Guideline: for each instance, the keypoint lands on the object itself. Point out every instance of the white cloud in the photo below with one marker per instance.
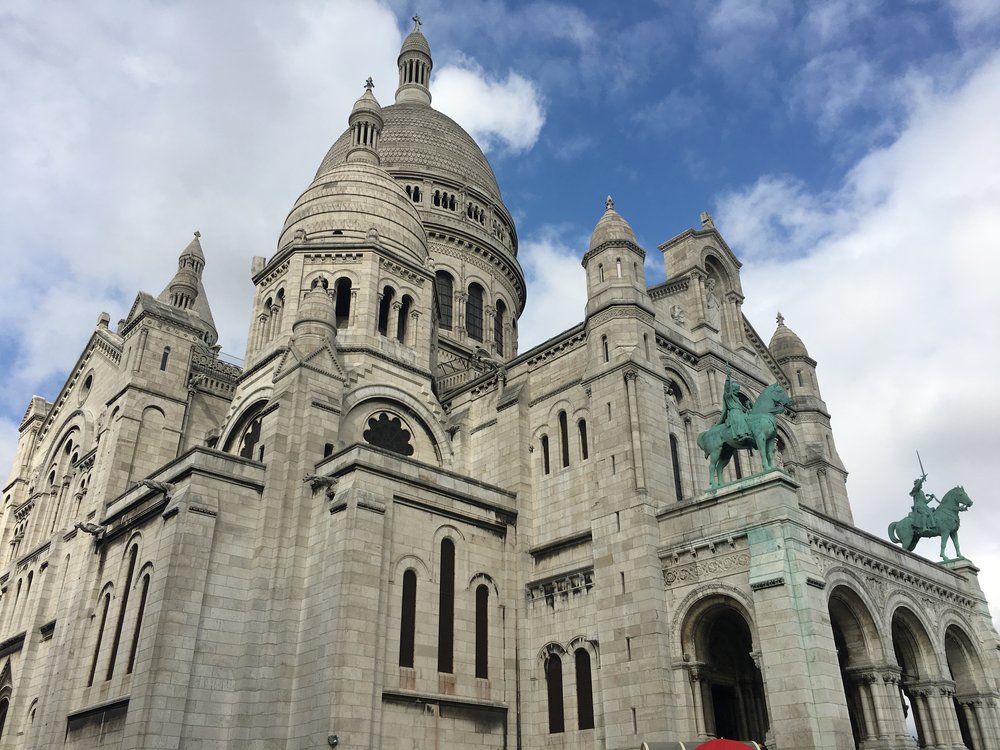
(557, 287)
(497, 113)
(896, 299)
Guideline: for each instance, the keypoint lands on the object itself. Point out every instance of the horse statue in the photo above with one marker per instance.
(760, 431)
(944, 523)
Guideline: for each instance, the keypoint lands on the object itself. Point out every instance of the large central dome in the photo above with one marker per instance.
(417, 138)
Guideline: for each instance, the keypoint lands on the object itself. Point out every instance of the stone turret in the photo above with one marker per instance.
(185, 290)
(614, 263)
(365, 124)
(414, 68)
(795, 362)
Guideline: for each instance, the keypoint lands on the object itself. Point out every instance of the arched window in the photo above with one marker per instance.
(342, 302)
(100, 636)
(545, 453)
(404, 314)
(384, 306)
(138, 623)
(408, 618)
(554, 688)
(564, 438)
(445, 286)
(133, 553)
(584, 450)
(482, 631)
(676, 463)
(4, 705)
(164, 358)
(498, 322)
(584, 691)
(604, 345)
(446, 608)
(474, 313)
(244, 440)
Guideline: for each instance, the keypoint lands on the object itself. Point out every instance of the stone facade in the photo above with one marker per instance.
(390, 528)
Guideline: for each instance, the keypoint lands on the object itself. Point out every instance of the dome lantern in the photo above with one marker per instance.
(365, 125)
(414, 68)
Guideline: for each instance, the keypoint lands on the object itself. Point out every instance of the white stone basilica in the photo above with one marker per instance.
(392, 530)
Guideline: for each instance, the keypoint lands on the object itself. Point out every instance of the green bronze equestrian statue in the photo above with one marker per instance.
(742, 427)
(924, 521)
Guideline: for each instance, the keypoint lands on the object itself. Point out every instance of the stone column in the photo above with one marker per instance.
(458, 314)
(393, 327)
(352, 316)
(887, 704)
(694, 670)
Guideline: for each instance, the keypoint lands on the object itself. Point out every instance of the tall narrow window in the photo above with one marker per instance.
(100, 635)
(482, 631)
(564, 438)
(121, 611)
(676, 462)
(138, 623)
(404, 314)
(584, 450)
(384, 306)
(584, 691)
(604, 345)
(408, 618)
(474, 313)
(545, 453)
(445, 286)
(4, 705)
(498, 323)
(164, 358)
(342, 303)
(446, 608)
(554, 688)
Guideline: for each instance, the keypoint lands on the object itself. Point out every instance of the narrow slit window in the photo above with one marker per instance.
(482, 631)
(165, 358)
(474, 313)
(133, 554)
(446, 608)
(100, 635)
(138, 623)
(445, 293)
(564, 438)
(342, 303)
(554, 688)
(584, 691)
(676, 462)
(408, 619)
(584, 450)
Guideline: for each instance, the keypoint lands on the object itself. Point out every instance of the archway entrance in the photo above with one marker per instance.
(733, 691)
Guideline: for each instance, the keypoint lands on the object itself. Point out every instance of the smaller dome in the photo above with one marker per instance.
(357, 202)
(367, 103)
(415, 42)
(785, 344)
(611, 227)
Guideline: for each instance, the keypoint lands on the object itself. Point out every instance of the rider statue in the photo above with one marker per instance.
(734, 412)
(922, 514)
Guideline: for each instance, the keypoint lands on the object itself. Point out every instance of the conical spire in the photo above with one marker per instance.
(414, 68)
(185, 290)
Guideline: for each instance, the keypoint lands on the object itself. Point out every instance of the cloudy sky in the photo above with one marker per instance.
(848, 151)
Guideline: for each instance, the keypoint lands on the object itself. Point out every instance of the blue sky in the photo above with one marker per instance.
(848, 151)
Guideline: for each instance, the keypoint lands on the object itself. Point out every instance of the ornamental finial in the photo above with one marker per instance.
(197, 233)
(609, 204)
(416, 23)
(780, 319)
(369, 85)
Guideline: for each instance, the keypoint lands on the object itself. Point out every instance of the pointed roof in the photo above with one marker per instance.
(611, 227)
(192, 276)
(194, 248)
(785, 343)
(415, 40)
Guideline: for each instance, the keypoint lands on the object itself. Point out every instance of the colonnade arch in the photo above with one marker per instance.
(728, 690)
